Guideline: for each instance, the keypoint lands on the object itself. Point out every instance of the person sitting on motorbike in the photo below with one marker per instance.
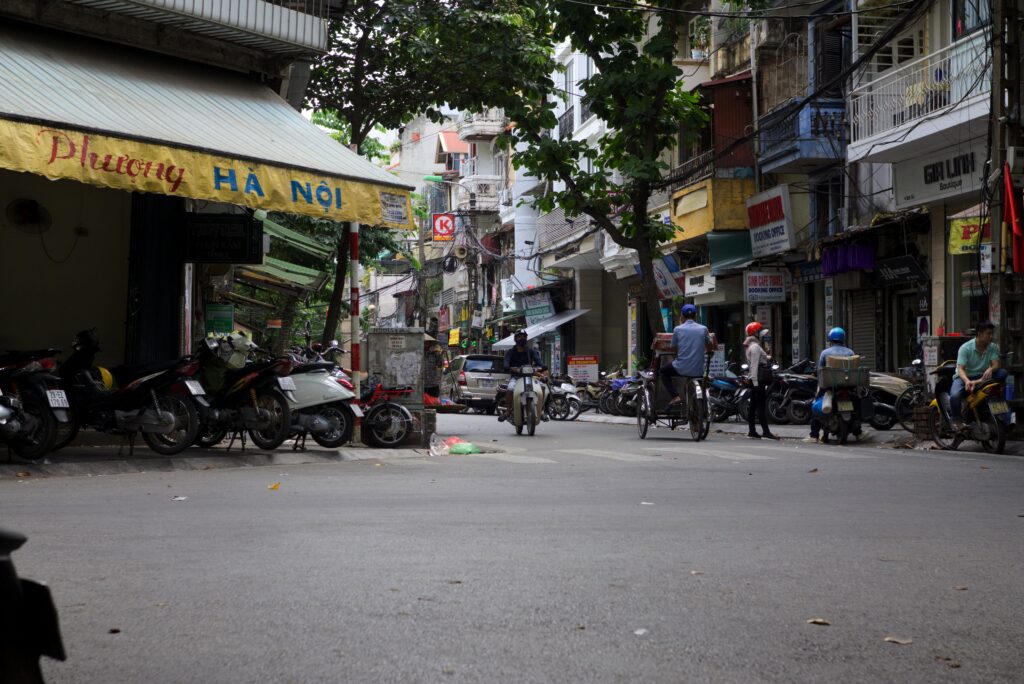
(977, 362)
(516, 357)
(837, 347)
(690, 342)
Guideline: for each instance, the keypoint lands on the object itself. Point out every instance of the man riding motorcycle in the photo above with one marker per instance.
(516, 357)
(977, 362)
(837, 347)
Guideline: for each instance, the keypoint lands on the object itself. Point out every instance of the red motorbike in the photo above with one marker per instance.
(387, 423)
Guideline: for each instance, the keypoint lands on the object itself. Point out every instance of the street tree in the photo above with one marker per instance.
(637, 91)
(389, 60)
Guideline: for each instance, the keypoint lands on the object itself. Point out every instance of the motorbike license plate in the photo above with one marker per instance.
(356, 410)
(998, 407)
(57, 399)
(287, 384)
(195, 388)
(845, 405)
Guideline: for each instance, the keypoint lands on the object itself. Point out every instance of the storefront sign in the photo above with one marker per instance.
(478, 319)
(583, 368)
(967, 234)
(444, 227)
(985, 255)
(806, 272)
(634, 333)
(956, 170)
(698, 281)
(444, 318)
(135, 166)
(275, 323)
(667, 286)
(223, 239)
(829, 304)
(538, 307)
(220, 318)
(453, 337)
(901, 269)
(764, 286)
(771, 222)
(718, 365)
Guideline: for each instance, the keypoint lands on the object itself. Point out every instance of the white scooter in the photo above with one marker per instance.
(563, 403)
(528, 398)
(321, 406)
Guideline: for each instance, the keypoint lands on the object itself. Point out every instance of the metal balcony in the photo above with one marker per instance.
(485, 125)
(486, 189)
(566, 123)
(946, 80)
(694, 169)
(278, 26)
(804, 140)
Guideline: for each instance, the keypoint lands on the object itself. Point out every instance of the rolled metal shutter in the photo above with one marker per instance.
(862, 326)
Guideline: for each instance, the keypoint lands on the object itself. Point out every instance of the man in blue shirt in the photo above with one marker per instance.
(691, 341)
(976, 363)
(837, 347)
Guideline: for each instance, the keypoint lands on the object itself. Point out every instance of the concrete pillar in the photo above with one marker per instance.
(589, 286)
(937, 265)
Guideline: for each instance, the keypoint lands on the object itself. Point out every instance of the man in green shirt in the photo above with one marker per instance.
(977, 362)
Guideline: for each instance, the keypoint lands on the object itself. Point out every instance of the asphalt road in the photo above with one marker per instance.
(578, 555)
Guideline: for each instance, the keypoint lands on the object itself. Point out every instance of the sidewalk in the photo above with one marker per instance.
(877, 437)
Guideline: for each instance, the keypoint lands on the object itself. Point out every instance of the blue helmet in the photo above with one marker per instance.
(689, 311)
(837, 335)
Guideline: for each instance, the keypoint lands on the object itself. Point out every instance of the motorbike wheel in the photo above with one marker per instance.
(389, 425)
(575, 408)
(186, 425)
(623, 407)
(491, 408)
(743, 408)
(346, 423)
(210, 437)
(882, 421)
(280, 420)
(798, 412)
(557, 407)
(66, 432)
(643, 409)
(842, 431)
(997, 430)
(37, 442)
(777, 410)
(531, 417)
(943, 434)
(909, 399)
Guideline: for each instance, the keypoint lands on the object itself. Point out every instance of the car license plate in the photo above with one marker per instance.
(287, 384)
(998, 407)
(486, 383)
(57, 399)
(845, 405)
(195, 387)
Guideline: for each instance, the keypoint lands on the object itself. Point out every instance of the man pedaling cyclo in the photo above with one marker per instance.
(515, 358)
(690, 341)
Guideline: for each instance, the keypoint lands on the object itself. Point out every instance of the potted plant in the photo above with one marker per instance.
(700, 36)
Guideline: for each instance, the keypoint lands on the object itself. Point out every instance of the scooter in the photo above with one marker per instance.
(32, 404)
(563, 401)
(886, 389)
(161, 399)
(985, 413)
(528, 398)
(729, 395)
(321, 405)
(845, 402)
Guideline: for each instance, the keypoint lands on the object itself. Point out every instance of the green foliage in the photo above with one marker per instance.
(371, 148)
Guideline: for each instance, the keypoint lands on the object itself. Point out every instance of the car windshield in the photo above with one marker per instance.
(486, 365)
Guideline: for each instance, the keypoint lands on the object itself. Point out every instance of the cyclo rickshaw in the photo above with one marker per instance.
(652, 399)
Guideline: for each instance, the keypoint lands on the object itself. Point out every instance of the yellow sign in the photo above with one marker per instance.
(964, 235)
(136, 166)
(453, 337)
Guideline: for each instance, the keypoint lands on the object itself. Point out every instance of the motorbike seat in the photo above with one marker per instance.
(315, 366)
(19, 356)
(126, 373)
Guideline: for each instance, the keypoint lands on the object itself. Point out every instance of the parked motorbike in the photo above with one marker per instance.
(32, 403)
(790, 395)
(885, 390)
(845, 403)
(729, 395)
(321, 406)
(29, 627)
(985, 413)
(387, 423)
(528, 398)
(161, 399)
(245, 397)
(563, 401)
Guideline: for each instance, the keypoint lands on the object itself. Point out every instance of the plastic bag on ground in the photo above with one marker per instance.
(438, 446)
(464, 448)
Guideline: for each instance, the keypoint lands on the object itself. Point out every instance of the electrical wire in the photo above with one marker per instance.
(751, 14)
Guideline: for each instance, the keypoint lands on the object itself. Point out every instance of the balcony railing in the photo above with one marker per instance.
(483, 125)
(585, 111)
(486, 189)
(565, 123)
(553, 228)
(925, 87)
(692, 170)
(284, 26)
(815, 133)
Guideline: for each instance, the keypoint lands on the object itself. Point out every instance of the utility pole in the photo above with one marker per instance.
(353, 268)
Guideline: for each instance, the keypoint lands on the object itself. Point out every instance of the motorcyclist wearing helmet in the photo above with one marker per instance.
(691, 341)
(837, 347)
(516, 357)
(757, 356)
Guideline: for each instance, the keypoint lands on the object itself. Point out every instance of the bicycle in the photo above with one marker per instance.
(914, 396)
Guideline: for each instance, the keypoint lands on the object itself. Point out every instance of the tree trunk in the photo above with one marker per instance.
(340, 273)
(651, 295)
(284, 337)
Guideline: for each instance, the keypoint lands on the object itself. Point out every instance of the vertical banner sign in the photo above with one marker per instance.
(967, 235)
(444, 318)
(556, 353)
(444, 227)
(718, 365)
(794, 312)
(633, 335)
(829, 324)
(771, 222)
(583, 368)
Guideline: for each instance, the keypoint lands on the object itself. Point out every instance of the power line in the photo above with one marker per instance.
(751, 14)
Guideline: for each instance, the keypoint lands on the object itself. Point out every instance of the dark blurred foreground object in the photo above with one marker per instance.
(29, 627)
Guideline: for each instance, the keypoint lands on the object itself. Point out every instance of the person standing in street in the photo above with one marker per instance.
(433, 368)
(690, 341)
(759, 368)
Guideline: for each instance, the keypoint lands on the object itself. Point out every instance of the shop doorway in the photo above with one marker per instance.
(904, 328)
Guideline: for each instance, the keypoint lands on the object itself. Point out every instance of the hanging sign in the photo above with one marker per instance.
(956, 170)
(764, 286)
(583, 368)
(538, 307)
(966, 235)
(771, 222)
(698, 281)
(664, 278)
(444, 227)
(220, 318)
(899, 269)
(444, 318)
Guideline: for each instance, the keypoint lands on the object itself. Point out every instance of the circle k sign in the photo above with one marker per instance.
(444, 227)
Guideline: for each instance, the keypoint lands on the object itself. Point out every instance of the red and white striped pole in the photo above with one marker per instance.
(353, 267)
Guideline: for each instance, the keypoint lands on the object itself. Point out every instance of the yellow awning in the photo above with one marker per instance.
(102, 114)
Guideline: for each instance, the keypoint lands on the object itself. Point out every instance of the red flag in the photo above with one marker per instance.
(1011, 214)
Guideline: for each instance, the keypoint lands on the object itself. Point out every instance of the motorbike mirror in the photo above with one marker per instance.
(916, 362)
(776, 367)
(603, 373)
(745, 367)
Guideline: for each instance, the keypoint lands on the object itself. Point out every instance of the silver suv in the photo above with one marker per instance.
(473, 379)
